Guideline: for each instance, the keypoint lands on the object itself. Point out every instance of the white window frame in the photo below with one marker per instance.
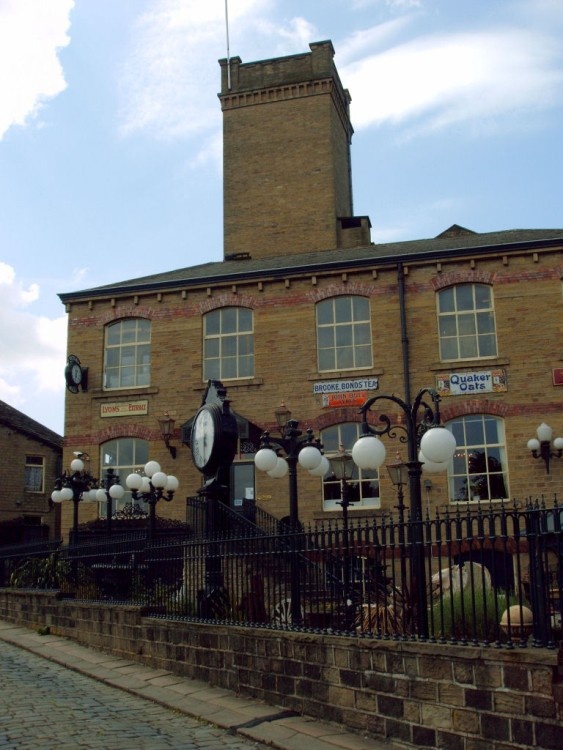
(228, 343)
(32, 464)
(345, 434)
(132, 357)
(124, 460)
(472, 454)
(330, 334)
(469, 323)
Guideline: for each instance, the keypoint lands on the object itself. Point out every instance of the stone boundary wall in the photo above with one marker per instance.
(421, 695)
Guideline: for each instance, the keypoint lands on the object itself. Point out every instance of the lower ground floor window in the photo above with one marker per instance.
(479, 468)
(124, 456)
(363, 487)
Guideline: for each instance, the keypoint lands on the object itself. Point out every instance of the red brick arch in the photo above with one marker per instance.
(125, 430)
(227, 300)
(126, 311)
(477, 406)
(349, 289)
(462, 277)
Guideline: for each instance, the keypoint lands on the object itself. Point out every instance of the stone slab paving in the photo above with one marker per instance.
(59, 695)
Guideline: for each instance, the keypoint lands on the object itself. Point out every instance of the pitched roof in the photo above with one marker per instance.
(19, 422)
(453, 242)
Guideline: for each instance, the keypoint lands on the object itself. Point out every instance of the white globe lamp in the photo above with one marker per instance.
(159, 479)
(322, 469)
(134, 481)
(368, 452)
(280, 469)
(152, 467)
(172, 483)
(309, 457)
(116, 491)
(438, 445)
(265, 459)
(431, 467)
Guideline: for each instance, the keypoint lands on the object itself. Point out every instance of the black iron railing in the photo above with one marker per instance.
(494, 574)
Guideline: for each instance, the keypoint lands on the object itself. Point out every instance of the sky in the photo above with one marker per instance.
(111, 152)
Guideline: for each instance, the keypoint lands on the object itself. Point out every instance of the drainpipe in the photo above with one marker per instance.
(404, 336)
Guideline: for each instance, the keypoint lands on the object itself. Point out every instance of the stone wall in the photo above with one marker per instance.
(422, 695)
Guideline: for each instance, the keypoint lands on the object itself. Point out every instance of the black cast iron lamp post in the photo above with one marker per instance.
(399, 475)
(298, 448)
(154, 486)
(543, 447)
(111, 490)
(77, 486)
(342, 466)
(420, 424)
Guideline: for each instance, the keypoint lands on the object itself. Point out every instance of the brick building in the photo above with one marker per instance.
(305, 309)
(30, 461)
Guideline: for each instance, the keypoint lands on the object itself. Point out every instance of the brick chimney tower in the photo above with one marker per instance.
(286, 156)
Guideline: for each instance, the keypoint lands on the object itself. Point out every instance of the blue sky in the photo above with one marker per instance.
(110, 138)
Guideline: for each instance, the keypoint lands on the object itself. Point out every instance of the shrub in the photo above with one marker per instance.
(471, 615)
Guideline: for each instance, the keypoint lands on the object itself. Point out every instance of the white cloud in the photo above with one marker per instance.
(420, 84)
(399, 4)
(435, 81)
(170, 79)
(31, 34)
(34, 346)
(168, 88)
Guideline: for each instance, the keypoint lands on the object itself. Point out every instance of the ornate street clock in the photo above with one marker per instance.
(214, 433)
(213, 442)
(207, 433)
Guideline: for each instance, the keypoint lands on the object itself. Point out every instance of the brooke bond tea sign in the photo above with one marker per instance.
(339, 393)
(345, 386)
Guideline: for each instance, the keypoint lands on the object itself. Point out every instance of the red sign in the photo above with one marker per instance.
(558, 376)
(338, 400)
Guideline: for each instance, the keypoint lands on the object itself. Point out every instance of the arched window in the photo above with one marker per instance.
(124, 456)
(127, 360)
(466, 322)
(363, 488)
(228, 344)
(479, 469)
(343, 334)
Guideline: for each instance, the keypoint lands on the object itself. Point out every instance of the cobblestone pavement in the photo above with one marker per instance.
(44, 705)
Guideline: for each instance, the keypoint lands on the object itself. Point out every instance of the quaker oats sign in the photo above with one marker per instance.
(470, 383)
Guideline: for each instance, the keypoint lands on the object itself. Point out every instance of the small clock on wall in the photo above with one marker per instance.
(75, 374)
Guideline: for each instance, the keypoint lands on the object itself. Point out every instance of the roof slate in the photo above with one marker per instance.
(443, 245)
(19, 422)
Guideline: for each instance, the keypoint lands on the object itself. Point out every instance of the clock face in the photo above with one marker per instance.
(204, 434)
(76, 373)
(73, 373)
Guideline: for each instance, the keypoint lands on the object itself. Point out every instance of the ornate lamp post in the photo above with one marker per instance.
(154, 486)
(342, 466)
(109, 491)
(421, 430)
(78, 485)
(298, 448)
(544, 447)
(399, 475)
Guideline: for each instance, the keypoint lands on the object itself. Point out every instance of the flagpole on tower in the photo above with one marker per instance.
(228, 50)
